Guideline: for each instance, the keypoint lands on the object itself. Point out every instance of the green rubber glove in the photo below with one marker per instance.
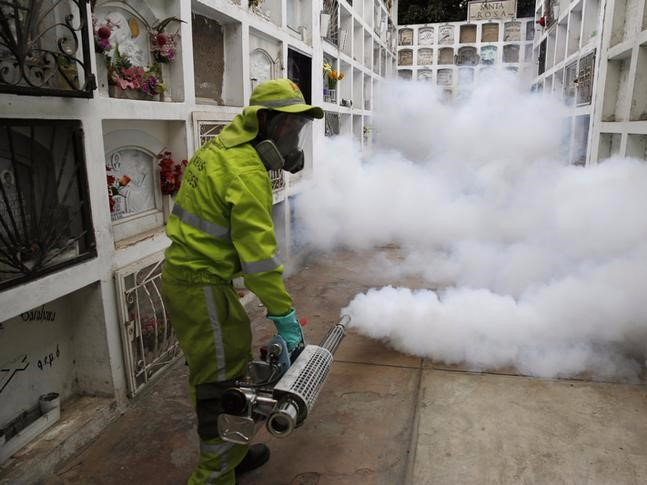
(288, 327)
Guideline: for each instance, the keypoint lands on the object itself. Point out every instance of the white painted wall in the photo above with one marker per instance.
(87, 324)
(58, 346)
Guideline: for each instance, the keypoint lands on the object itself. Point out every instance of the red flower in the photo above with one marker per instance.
(170, 173)
(124, 180)
(104, 32)
(162, 39)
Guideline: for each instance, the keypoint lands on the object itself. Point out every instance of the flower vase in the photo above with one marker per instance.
(332, 95)
(49, 401)
(102, 77)
(165, 75)
(326, 93)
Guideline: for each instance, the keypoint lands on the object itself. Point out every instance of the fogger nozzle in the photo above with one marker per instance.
(283, 420)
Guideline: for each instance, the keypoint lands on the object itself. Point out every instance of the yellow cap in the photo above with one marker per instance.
(283, 95)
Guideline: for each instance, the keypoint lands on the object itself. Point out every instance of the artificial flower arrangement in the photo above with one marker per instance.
(154, 332)
(102, 33)
(163, 44)
(163, 47)
(122, 73)
(170, 173)
(332, 76)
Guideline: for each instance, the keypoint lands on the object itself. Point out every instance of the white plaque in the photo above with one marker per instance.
(488, 9)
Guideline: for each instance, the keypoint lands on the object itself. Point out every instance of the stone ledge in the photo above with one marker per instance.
(82, 419)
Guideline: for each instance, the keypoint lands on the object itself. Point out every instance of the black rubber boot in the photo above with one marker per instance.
(257, 455)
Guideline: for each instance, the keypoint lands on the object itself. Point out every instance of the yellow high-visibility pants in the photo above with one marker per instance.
(215, 335)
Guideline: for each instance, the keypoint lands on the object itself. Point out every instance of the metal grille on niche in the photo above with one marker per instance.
(570, 87)
(45, 221)
(585, 79)
(45, 49)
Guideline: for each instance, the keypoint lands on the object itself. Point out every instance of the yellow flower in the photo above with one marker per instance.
(327, 67)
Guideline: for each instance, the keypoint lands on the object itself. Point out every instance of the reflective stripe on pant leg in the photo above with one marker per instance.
(217, 332)
(217, 462)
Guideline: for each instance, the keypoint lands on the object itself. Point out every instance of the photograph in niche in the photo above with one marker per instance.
(131, 184)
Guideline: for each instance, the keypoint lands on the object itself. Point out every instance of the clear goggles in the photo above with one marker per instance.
(286, 130)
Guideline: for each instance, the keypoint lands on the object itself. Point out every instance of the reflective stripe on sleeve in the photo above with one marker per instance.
(260, 266)
(191, 219)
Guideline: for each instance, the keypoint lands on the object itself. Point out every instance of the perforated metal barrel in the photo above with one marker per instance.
(299, 388)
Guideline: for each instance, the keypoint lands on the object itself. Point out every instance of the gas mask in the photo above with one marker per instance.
(282, 148)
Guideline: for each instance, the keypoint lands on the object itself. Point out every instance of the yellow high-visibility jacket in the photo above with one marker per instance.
(221, 223)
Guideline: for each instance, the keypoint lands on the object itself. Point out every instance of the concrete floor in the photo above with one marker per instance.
(385, 418)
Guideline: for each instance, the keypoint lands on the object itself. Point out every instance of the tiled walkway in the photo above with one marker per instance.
(389, 419)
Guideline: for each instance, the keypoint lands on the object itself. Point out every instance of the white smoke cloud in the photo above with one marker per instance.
(541, 263)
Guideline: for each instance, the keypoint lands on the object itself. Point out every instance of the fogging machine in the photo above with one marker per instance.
(280, 389)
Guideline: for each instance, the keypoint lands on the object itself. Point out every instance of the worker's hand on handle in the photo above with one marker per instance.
(288, 327)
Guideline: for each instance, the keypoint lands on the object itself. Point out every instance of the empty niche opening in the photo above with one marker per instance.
(616, 89)
(637, 146)
(468, 34)
(639, 99)
(609, 145)
(580, 139)
(208, 58)
(490, 32)
(530, 30)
